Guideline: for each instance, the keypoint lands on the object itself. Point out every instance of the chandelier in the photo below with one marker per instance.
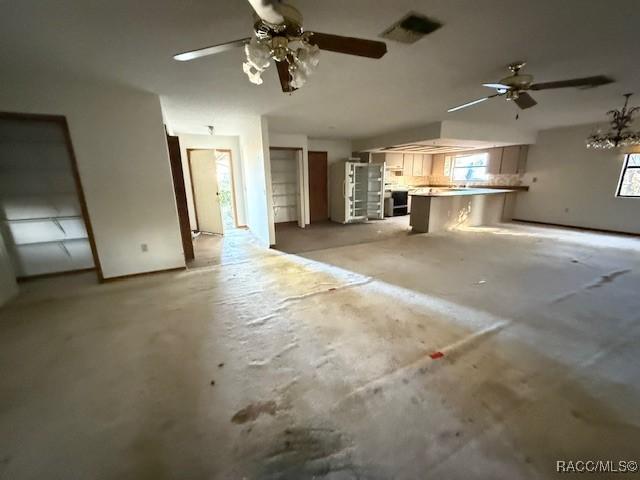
(620, 134)
(301, 56)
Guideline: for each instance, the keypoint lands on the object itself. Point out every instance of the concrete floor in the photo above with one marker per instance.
(486, 353)
(236, 245)
(292, 239)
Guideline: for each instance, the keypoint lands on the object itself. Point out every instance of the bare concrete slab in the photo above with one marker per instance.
(486, 353)
(321, 235)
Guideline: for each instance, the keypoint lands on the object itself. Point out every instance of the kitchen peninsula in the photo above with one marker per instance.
(438, 209)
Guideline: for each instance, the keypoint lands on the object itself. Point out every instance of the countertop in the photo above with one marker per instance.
(457, 192)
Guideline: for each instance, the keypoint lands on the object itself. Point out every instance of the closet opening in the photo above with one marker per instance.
(44, 223)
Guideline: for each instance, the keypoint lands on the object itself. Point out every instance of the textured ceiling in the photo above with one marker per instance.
(131, 42)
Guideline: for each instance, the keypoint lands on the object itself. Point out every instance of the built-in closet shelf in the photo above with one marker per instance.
(46, 242)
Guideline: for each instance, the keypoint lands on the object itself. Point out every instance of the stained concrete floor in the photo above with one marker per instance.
(236, 245)
(486, 353)
(292, 239)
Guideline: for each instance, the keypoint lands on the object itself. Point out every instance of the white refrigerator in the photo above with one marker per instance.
(357, 191)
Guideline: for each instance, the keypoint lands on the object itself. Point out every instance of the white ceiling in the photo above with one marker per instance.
(132, 42)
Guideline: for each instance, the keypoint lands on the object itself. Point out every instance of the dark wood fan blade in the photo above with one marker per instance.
(203, 52)
(348, 45)
(285, 77)
(267, 12)
(525, 101)
(587, 82)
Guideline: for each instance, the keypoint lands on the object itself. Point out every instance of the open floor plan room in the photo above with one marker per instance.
(481, 353)
(297, 240)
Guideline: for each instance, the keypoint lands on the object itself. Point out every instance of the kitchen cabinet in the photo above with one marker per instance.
(417, 165)
(394, 160)
(426, 164)
(510, 159)
(407, 167)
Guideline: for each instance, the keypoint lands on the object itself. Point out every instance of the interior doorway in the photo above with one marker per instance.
(217, 236)
(226, 192)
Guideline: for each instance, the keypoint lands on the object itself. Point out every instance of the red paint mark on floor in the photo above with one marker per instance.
(436, 355)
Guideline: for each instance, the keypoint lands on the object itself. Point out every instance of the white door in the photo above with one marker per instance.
(205, 190)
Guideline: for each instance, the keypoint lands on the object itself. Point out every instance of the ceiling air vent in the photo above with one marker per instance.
(411, 28)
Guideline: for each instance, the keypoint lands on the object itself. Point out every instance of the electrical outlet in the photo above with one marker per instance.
(144, 247)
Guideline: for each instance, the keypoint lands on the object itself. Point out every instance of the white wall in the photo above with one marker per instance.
(119, 141)
(336, 149)
(254, 148)
(8, 285)
(223, 142)
(575, 186)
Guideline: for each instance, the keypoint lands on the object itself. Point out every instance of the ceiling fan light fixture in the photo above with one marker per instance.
(258, 54)
(258, 60)
(298, 76)
(302, 63)
(255, 75)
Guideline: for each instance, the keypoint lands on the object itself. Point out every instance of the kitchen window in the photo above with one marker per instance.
(629, 185)
(470, 167)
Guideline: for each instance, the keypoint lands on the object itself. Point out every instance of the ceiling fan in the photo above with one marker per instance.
(279, 36)
(515, 86)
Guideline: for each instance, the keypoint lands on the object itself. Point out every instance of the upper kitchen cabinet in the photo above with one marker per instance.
(407, 168)
(427, 160)
(394, 160)
(417, 165)
(510, 159)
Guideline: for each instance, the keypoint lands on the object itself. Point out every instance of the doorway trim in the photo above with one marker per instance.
(193, 190)
(302, 186)
(179, 188)
(62, 121)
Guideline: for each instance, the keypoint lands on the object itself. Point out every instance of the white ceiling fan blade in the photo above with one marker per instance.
(267, 12)
(497, 86)
(460, 107)
(203, 52)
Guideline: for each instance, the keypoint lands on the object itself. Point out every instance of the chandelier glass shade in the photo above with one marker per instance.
(302, 57)
(620, 133)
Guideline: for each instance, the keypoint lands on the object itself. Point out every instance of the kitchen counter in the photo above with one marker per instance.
(456, 192)
(440, 209)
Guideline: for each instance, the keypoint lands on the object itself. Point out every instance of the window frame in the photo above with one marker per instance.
(626, 167)
(485, 166)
